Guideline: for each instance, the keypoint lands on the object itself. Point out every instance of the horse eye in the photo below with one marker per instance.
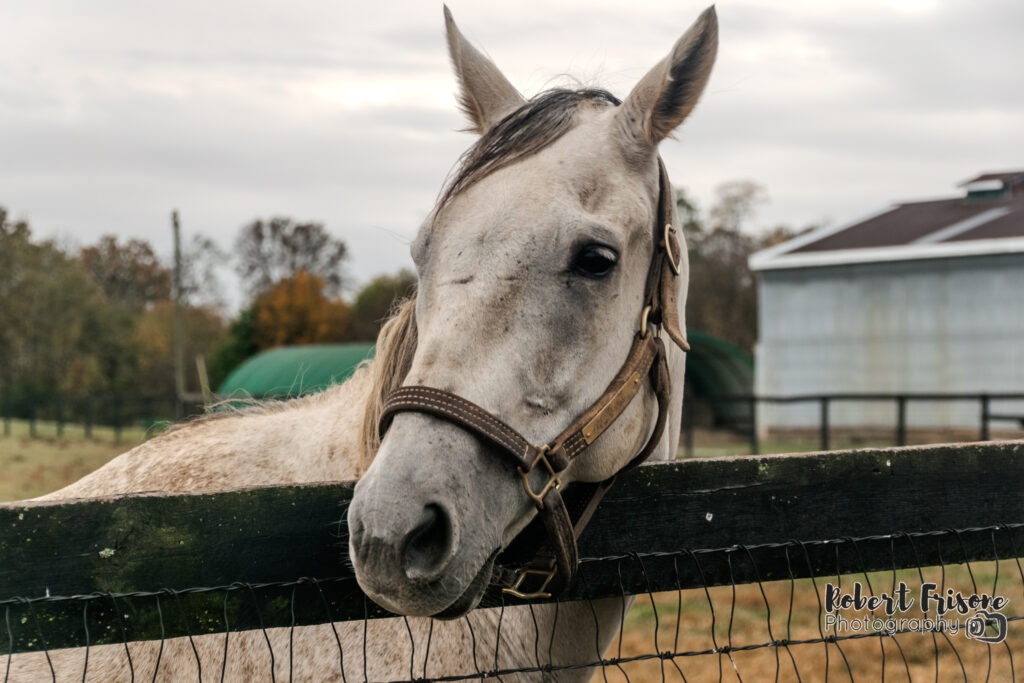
(595, 260)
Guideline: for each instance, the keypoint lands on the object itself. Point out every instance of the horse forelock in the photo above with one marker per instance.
(538, 123)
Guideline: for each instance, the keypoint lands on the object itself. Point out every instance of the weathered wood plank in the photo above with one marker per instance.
(685, 524)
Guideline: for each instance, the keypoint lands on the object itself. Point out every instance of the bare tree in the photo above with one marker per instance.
(129, 273)
(736, 202)
(271, 251)
(201, 286)
(723, 290)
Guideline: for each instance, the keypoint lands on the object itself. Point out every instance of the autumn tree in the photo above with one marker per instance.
(95, 320)
(14, 243)
(375, 301)
(53, 320)
(269, 252)
(152, 341)
(129, 273)
(132, 277)
(297, 310)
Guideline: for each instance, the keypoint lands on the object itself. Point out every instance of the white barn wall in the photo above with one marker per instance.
(931, 325)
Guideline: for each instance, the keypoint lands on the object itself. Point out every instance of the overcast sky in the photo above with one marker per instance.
(113, 112)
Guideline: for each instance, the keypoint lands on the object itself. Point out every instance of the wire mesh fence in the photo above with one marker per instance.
(786, 629)
(805, 606)
(777, 630)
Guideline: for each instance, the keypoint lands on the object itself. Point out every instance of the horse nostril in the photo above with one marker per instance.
(428, 547)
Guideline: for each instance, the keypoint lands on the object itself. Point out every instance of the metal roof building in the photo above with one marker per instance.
(923, 296)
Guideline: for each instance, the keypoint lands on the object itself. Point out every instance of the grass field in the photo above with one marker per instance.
(716, 443)
(687, 621)
(34, 466)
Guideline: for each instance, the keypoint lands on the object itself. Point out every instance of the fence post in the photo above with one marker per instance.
(688, 433)
(32, 417)
(117, 418)
(901, 420)
(755, 447)
(824, 423)
(985, 436)
(90, 413)
(59, 401)
(7, 414)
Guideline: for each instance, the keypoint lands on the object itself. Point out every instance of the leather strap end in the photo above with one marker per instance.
(558, 458)
(670, 310)
(562, 539)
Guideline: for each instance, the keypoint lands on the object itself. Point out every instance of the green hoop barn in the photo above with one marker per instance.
(714, 368)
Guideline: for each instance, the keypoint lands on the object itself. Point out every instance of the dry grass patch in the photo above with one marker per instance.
(684, 624)
(32, 466)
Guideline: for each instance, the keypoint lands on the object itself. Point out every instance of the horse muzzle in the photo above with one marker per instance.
(423, 525)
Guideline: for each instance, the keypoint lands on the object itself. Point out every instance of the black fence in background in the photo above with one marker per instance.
(116, 411)
(120, 411)
(745, 421)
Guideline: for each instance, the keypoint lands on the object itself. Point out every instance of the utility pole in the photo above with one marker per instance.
(179, 335)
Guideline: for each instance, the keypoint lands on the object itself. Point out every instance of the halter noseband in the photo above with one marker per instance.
(554, 564)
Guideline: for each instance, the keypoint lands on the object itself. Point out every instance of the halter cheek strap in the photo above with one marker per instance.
(544, 571)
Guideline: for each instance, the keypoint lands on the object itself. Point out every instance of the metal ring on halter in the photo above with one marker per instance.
(553, 479)
(643, 322)
(672, 263)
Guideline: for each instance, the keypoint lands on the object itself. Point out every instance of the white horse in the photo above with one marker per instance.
(531, 272)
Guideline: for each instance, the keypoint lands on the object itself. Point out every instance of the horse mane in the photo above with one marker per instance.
(396, 346)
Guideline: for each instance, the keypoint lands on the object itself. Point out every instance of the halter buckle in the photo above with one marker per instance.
(521, 575)
(553, 479)
(667, 244)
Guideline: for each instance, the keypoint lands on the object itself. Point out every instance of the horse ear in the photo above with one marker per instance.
(485, 95)
(669, 91)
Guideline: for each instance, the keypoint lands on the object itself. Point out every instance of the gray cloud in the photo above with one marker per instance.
(112, 114)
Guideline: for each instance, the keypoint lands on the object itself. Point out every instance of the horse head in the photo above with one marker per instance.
(534, 269)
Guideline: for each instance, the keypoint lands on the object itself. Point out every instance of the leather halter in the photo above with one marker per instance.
(555, 563)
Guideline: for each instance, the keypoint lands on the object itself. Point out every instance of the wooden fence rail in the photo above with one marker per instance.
(150, 566)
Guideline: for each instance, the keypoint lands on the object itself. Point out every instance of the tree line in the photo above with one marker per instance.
(98, 319)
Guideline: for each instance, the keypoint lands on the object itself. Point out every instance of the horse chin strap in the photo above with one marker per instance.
(542, 560)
